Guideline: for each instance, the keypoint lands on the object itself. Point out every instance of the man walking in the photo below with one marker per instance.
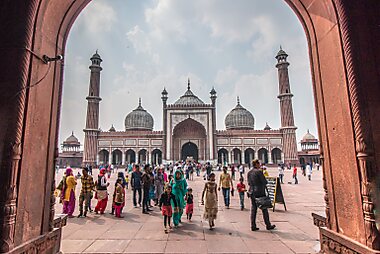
(85, 192)
(146, 180)
(136, 185)
(257, 185)
(225, 182)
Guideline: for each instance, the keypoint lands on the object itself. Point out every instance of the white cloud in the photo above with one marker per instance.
(99, 16)
(226, 75)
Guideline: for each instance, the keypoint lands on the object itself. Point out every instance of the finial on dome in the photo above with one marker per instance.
(238, 100)
(308, 131)
(72, 133)
(140, 102)
(188, 83)
(280, 47)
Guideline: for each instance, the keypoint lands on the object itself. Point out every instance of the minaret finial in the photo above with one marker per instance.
(140, 102)
(96, 51)
(280, 47)
(72, 133)
(188, 83)
(238, 100)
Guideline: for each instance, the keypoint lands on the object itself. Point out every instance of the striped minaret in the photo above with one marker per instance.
(288, 128)
(91, 130)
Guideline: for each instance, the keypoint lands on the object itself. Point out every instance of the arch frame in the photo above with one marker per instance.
(337, 40)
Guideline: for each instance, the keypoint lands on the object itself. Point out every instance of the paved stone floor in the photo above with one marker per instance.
(139, 233)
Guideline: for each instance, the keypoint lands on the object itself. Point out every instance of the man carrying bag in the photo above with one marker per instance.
(259, 198)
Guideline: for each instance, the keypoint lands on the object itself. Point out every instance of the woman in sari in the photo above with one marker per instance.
(69, 193)
(179, 189)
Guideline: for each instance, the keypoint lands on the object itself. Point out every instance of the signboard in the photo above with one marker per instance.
(275, 191)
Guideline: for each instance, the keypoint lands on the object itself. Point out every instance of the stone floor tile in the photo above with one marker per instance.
(108, 246)
(75, 246)
(146, 246)
(188, 246)
(235, 245)
(262, 246)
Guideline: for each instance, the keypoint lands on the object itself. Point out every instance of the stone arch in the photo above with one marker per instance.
(236, 156)
(249, 155)
(156, 157)
(276, 155)
(191, 131)
(117, 155)
(343, 59)
(223, 156)
(103, 157)
(142, 157)
(130, 156)
(262, 154)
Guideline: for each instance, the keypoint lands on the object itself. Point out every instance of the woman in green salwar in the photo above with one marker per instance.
(179, 189)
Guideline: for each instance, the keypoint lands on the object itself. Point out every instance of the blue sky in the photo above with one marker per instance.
(149, 44)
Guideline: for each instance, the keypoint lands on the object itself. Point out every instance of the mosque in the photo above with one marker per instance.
(189, 130)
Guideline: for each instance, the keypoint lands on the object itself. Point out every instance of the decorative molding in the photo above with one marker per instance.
(362, 129)
(318, 220)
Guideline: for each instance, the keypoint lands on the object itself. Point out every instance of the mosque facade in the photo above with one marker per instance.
(189, 130)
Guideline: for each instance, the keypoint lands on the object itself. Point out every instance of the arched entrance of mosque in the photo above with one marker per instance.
(103, 157)
(262, 154)
(189, 136)
(156, 157)
(142, 156)
(116, 157)
(276, 156)
(249, 155)
(223, 156)
(130, 156)
(236, 156)
(189, 150)
(343, 53)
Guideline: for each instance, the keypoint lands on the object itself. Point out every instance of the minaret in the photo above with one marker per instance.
(288, 128)
(164, 97)
(213, 101)
(91, 130)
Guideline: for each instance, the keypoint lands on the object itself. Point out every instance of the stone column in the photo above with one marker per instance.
(110, 157)
(270, 156)
(229, 157)
(97, 159)
(122, 157)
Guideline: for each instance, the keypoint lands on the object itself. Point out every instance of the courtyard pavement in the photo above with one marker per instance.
(139, 233)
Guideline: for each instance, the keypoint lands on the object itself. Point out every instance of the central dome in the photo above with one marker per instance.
(139, 119)
(239, 118)
(189, 98)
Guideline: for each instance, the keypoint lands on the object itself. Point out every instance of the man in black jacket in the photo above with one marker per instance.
(257, 184)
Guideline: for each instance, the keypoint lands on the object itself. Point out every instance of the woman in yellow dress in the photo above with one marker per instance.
(210, 200)
(69, 193)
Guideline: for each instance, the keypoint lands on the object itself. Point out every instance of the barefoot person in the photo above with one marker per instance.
(165, 204)
(210, 200)
(101, 192)
(69, 193)
(257, 184)
(179, 189)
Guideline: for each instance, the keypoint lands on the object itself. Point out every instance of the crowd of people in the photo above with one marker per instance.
(167, 188)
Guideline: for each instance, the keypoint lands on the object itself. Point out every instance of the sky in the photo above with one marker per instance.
(147, 45)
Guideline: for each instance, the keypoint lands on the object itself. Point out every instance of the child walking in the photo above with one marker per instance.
(189, 203)
(119, 198)
(241, 190)
(210, 200)
(166, 207)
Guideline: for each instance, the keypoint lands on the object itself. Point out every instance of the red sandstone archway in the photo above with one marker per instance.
(191, 131)
(343, 43)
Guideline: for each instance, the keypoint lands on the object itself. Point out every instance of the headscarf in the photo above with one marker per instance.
(102, 172)
(69, 171)
(122, 177)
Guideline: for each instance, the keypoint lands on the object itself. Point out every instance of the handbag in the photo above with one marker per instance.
(264, 202)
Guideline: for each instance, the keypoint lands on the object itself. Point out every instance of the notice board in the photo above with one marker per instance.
(275, 191)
